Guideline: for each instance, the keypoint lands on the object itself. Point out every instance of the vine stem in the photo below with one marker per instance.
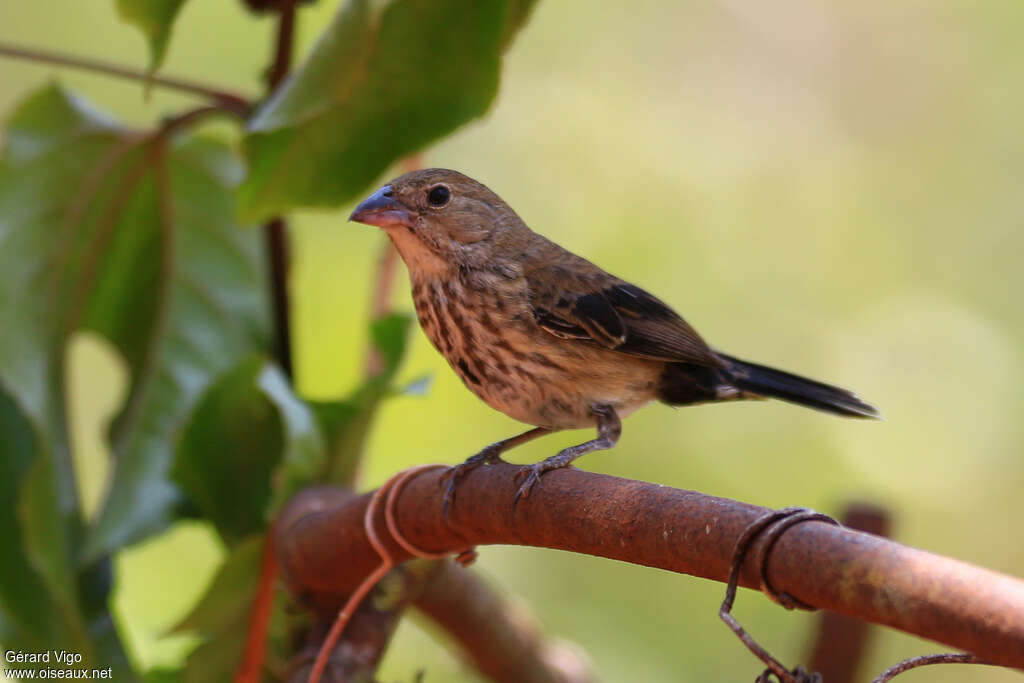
(276, 246)
(227, 100)
(275, 231)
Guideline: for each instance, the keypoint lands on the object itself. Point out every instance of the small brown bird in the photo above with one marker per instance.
(547, 337)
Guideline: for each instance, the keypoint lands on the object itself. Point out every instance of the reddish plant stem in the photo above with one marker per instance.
(385, 496)
(325, 552)
(384, 281)
(380, 305)
(367, 634)
(251, 667)
(227, 100)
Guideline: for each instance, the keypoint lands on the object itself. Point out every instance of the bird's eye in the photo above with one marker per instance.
(438, 196)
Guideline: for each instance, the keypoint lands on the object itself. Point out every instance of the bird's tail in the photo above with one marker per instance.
(765, 381)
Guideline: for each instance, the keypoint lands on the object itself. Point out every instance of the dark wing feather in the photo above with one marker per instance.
(622, 317)
(560, 327)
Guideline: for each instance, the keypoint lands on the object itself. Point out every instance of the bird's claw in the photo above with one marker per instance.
(453, 475)
(529, 475)
(450, 480)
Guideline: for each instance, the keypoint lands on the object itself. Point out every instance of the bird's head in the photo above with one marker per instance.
(441, 219)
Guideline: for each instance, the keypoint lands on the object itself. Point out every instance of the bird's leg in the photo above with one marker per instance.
(609, 428)
(488, 455)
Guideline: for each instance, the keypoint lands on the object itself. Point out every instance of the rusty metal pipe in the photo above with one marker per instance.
(324, 551)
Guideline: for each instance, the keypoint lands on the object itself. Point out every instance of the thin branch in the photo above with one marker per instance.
(928, 660)
(384, 281)
(172, 124)
(283, 46)
(501, 640)
(325, 551)
(386, 264)
(380, 305)
(275, 231)
(275, 238)
(228, 100)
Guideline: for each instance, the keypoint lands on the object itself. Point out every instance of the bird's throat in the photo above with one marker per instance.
(421, 260)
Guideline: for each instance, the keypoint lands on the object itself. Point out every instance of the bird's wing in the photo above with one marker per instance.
(608, 312)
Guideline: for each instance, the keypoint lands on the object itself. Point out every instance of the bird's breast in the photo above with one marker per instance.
(487, 332)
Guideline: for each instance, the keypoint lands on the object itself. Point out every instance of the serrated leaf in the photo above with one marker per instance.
(384, 80)
(131, 236)
(154, 18)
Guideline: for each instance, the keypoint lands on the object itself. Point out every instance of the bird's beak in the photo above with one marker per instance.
(382, 210)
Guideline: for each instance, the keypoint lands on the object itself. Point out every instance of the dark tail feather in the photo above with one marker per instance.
(765, 381)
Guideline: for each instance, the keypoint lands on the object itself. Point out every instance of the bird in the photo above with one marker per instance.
(547, 337)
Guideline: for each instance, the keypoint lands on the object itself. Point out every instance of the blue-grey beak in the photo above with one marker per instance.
(382, 210)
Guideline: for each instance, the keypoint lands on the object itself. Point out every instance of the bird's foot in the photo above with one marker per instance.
(529, 475)
(450, 479)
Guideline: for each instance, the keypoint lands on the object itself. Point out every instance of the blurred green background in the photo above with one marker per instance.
(832, 189)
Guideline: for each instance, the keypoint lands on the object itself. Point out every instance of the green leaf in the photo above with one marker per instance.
(210, 297)
(216, 660)
(229, 597)
(390, 336)
(303, 459)
(46, 539)
(230, 445)
(132, 236)
(155, 19)
(43, 526)
(246, 426)
(25, 601)
(384, 80)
